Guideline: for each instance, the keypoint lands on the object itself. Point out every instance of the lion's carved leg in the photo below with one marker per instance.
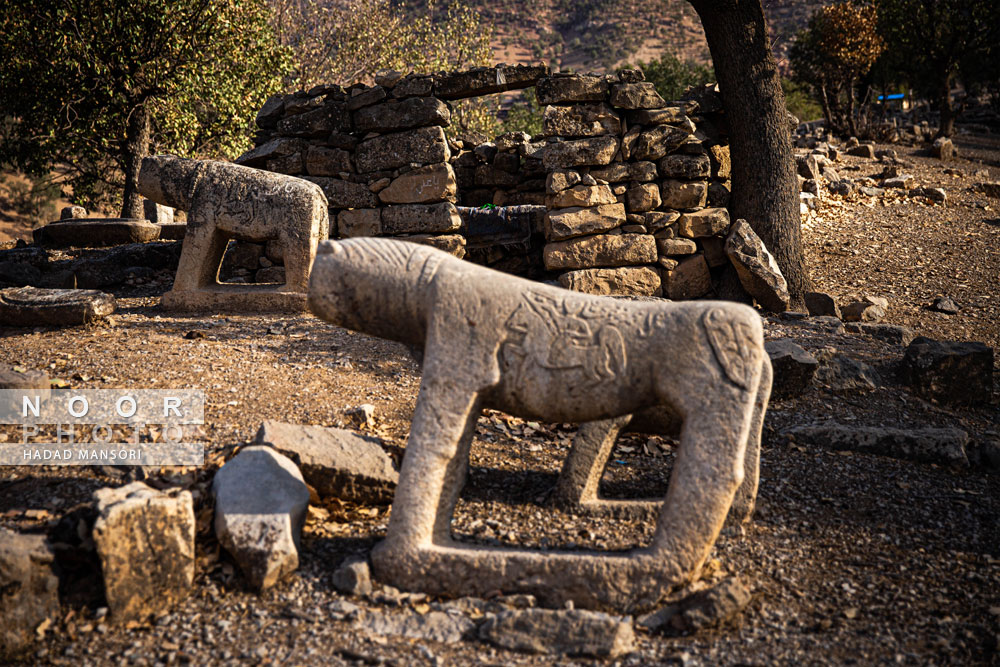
(299, 257)
(746, 496)
(201, 256)
(708, 470)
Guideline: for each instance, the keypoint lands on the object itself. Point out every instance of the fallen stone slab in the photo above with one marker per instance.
(702, 609)
(435, 626)
(336, 462)
(33, 306)
(29, 590)
(18, 378)
(793, 367)
(96, 232)
(925, 445)
(626, 281)
(145, 541)
(260, 507)
(560, 631)
(757, 269)
(949, 371)
(172, 231)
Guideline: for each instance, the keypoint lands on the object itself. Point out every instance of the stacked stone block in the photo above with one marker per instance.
(629, 188)
(635, 189)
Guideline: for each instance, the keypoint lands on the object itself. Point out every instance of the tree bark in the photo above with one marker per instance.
(135, 147)
(946, 113)
(765, 189)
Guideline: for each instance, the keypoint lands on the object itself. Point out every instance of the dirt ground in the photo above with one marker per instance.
(851, 558)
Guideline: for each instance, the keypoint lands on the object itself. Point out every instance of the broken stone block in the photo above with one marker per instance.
(928, 445)
(657, 141)
(664, 115)
(690, 167)
(581, 195)
(820, 303)
(33, 306)
(29, 590)
(95, 232)
(721, 163)
(364, 97)
(588, 252)
(690, 279)
(756, 267)
(642, 197)
(273, 149)
(634, 281)
(487, 80)
(396, 115)
(890, 333)
(336, 462)
(560, 631)
(808, 167)
(561, 89)
(453, 244)
(707, 222)
(359, 222)
(672, 247)
(579, 152)
(425, 145)
(72, 212)
(424, 185)
(793, 367)
(435, 626)
(903, 182)
(683, 194)
(560, 179)
(319, 122)
(353, 577)
(158, 214)
(271, 112)
(843, 375)
(145, 541)
(260, 507)
(420, 218)
(580, 120)
(565, 223)
(321, 161)
(863, 311)
(640, 95)
(949, 371)
(700, 610)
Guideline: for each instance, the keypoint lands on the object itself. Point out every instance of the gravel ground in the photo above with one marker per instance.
(852, 558)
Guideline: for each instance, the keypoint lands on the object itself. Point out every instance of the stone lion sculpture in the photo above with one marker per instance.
(227, 201)
(541, 352)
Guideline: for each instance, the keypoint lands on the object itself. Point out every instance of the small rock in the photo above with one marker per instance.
(364, 414)
(29, 590)
(949, 371)
(820, 303)
(336, 462)
(22, 378)
(793, 367)
(943, 149)
(564, 631)
(862, 150)
(145, 540)
(703, 609)
(260, 507)
(353, 577)
(928, 445)
(944, 304)
(863, 311)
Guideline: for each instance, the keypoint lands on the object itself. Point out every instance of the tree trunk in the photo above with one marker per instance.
(135, 148)
(946, 113)
(765, 189)
(852, 123)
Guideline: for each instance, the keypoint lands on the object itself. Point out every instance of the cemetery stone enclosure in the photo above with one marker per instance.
(623, 193)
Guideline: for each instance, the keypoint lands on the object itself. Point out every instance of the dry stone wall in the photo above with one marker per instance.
(623, 193)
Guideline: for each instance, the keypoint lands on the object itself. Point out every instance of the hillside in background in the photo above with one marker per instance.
(597, 35)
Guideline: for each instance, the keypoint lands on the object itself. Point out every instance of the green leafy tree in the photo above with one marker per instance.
(94, 85)
(525, 115)
(832, 55)
(933, 44)
(349, 42)
(672, 76)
